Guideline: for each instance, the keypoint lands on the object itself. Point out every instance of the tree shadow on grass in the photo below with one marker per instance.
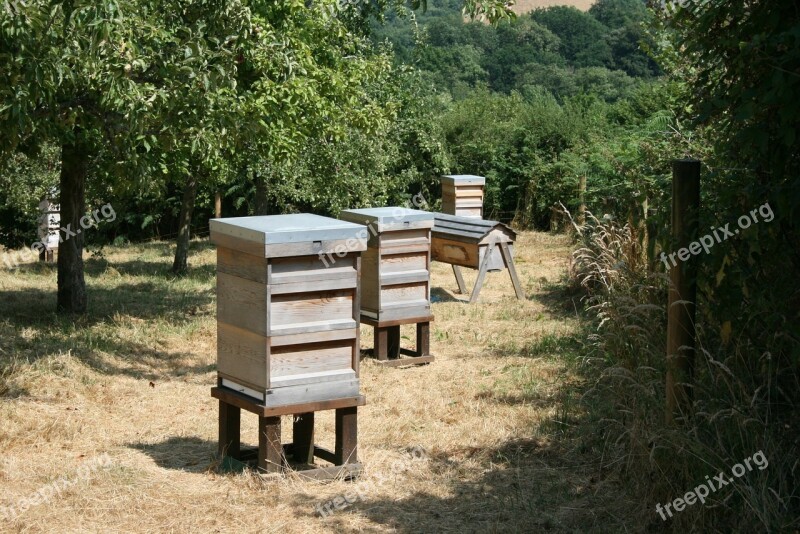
(520, 486)
(30, 329)
(190, 454)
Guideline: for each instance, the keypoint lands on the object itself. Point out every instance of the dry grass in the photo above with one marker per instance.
(132, 380)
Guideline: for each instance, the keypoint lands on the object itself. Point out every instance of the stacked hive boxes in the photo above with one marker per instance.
(288, 307)
(462, 195)
(395, 280)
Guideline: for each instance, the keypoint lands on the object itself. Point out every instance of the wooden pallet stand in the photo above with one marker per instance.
(468, 242)
(395, 280)
(387, 350)
(273, 458)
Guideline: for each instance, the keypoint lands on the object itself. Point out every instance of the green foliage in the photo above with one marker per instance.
(582, 37)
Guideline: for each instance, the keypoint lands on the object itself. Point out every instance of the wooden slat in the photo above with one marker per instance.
(470, 212)
(402, 238)
(408, 277)
(313, 327)
(242, 303)
(469, 191)
(370, 281)
(310, 358)
(288, 311)
(246, 403)
(308, 286)
(400, 263)
(312, 337)
(311, 268)
(241, 353)
(402, 294)
(395, 322)
(236, 263)
(356, 352)
(313, 378)
(242, 245)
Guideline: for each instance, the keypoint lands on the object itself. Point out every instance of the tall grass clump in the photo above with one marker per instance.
(738, 409)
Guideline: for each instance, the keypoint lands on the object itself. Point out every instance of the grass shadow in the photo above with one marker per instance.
(190, 454)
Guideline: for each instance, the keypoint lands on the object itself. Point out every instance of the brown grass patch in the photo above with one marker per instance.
(132, 381)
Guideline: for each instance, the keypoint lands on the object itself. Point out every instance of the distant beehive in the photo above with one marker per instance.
(462, 195)
(288, 307)
(465, 241)
(395, 277)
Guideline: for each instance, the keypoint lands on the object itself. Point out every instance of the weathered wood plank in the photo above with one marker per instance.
(242, 303)
(303, 438)
(270, 451)
(241, 353)
(346, 450)
(310, 358)
(247, 403)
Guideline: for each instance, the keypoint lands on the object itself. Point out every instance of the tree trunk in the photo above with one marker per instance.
(71, 297)
(262, 200)
(181, 264)
(218, 205)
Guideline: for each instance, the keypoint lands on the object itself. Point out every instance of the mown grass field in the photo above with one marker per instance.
(497, 412)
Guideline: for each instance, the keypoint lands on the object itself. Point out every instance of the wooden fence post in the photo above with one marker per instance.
(683, 288)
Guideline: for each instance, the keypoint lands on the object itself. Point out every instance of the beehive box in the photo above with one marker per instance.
(462, 195)
(288, 306)
(395, 277)
(465, 241)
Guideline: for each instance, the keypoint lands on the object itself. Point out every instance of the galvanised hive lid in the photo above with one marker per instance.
(390, 218)
(292, 228)
(463, 179)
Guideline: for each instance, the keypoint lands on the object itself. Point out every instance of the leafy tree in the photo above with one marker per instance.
(108, 82)
(582, 37)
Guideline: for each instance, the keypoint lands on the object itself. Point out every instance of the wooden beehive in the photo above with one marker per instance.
(395, 276)
(465, 241)
(288, 306)
(462, 195)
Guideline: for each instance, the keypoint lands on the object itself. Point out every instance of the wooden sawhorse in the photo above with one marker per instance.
(387, 350)
(271, 456)
(508, 261)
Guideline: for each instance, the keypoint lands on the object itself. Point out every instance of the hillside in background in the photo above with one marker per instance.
(524, 6)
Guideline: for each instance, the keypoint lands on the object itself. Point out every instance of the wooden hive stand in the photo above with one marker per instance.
(395, 280)
(273, 458)
(487, 246)
(288, 331)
